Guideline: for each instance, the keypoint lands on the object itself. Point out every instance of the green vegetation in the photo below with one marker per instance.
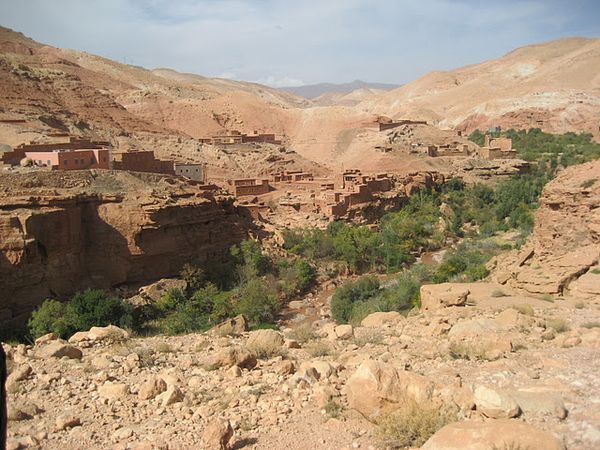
(85, 310)
(254, 286)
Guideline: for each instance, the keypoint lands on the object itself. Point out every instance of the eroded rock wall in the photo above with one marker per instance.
(53, 247)
(565, 243)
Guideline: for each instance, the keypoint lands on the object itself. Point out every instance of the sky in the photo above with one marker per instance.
(296, 42)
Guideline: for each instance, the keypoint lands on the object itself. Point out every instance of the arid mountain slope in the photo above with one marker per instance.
(555, 86)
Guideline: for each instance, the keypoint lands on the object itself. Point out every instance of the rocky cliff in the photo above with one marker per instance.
(564, 249)
(94, 229)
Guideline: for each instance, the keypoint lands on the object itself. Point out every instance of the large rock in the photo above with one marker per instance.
(495, 403)
(230, 356)
(265, 339)
(151, 388)
(378, 319)
(234, 326)
(540, 401)
(377, 388)
(217, 435)
(58, 349)
(113, 391)
(492, 434)
(172, 395)
(436, 296)
(110, 333)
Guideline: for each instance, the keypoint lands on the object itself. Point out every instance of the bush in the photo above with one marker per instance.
(349, 293)
(412, 424)
(91, 308)
(48, 318)
(258, 301)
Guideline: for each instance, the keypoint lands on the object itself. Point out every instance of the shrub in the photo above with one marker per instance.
(319, 348)
(91, 308)
(95, 308)
(49, 317)
(194, 276)
(266, 350)
(258, 301)
(303, 334)
(498, 293)
(525, 309)
(352, 292)
(412, 424)
(559, 325)
(594, 324)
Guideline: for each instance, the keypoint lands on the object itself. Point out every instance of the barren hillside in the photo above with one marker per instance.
(554, 86)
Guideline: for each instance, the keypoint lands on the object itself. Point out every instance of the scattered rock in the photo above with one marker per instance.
(64, 422)
(172, 395)
(46, 338)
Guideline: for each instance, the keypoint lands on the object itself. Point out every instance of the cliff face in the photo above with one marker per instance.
(564, 248)
(54, 245)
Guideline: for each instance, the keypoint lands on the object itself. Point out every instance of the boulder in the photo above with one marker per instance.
(495, 403)
(261, 339)
(46, 338)
(378, 388)
(95, 334)
(113, 391)
(490, 434)
(539, 401)
(217, 435)
(234, 326)
(59, 349)
(436, 296)
(172, 395)
(378, 319)
(20, 373)
(108, 333)
(344, 331)
(231, 356)
(151, 388)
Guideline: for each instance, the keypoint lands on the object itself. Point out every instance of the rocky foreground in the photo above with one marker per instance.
(514, 370)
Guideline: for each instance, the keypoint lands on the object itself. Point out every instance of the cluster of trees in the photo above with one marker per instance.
(250, 283)
(399, 239)
(555, 149)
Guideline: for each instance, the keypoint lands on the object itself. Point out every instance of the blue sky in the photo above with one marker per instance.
(293, 42)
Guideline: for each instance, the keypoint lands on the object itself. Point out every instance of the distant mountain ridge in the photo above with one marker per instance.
(311, 91)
